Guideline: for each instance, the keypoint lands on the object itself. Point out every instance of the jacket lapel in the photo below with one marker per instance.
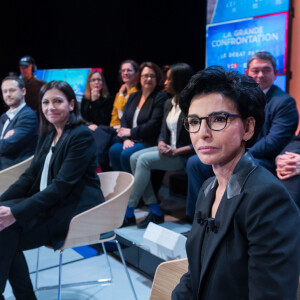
(226, 210)
(179, 126)
(225, 213)
(58, 146)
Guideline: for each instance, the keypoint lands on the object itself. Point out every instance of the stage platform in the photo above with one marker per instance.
(136, 253)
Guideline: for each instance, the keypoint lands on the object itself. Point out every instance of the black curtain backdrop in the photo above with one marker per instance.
(78, 34)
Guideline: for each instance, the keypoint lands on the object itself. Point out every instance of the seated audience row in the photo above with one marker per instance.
(119, 136)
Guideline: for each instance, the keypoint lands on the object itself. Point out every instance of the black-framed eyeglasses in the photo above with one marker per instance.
(95, 80)
(215, 121)
(127, 70)
(151, 76)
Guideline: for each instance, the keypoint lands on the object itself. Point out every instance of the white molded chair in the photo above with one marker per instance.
(166, 277)
(94, 225)
(9, 175)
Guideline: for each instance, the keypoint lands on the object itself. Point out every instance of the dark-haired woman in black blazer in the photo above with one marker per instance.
(61, 182)
(244, 242)
(142, 117)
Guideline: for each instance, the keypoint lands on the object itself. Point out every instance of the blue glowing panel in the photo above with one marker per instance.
(232, 44)
(75, 77)
(227, 10)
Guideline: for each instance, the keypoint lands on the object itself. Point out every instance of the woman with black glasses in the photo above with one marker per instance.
(244, 242)
(142, 117)
(96, 104)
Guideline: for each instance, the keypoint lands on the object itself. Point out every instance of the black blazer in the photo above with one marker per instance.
(97, 112)
(149, 118)
(22, 143)
(182, 136)
(73, 185)
(251, 250)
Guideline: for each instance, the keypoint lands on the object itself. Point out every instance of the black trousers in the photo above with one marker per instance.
(13, 267)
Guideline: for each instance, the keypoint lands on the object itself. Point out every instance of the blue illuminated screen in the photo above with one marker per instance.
(76, 77)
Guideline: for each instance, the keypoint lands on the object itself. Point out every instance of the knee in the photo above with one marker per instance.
(133, 159)
(114, 150)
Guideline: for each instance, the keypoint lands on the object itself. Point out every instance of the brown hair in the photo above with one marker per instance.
(103, 92)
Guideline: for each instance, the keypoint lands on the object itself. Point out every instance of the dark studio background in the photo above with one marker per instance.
(88, 33)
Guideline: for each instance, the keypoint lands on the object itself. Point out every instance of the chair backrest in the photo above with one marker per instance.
(166, 277)
(85, 228)
(9, 175)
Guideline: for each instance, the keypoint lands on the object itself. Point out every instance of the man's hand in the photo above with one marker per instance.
(93, 127)
(6, 217)
(124, 132)
(288, 165)
(9, 134)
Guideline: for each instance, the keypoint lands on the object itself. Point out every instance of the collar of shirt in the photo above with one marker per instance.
(13, 112)
(266, 90)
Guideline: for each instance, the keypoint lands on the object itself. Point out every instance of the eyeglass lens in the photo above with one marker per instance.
(151, 76)
(126, 70)
(95, 80)
(214, 122)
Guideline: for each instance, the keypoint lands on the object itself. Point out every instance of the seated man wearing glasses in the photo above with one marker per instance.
(281, 120)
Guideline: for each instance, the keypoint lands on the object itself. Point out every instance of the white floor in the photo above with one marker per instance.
(93, 268)
(82, 270)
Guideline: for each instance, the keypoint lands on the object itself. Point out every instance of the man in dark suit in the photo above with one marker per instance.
(281, 121)
(18, 126)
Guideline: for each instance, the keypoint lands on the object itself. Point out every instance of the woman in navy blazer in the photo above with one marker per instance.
(61, 182)
(174, 146)
(244, 242)
(142, 117)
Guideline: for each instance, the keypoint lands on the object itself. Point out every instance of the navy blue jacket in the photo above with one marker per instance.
(281, 121)
(22, 143)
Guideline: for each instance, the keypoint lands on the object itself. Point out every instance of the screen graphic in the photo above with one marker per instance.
(76, 78)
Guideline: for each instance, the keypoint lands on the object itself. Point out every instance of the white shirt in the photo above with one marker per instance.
(11, 113)
(135, 116)
(44, 177)
(172, 121)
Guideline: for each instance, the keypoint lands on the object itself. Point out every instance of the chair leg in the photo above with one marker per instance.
(109, 266)
(37, 269)
(59, 274)
(126, 270)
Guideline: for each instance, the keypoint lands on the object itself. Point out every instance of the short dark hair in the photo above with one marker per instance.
(180, 73)
(242, 90)
(264, 55)
(75, 117)
(158, 73)
(19, 80)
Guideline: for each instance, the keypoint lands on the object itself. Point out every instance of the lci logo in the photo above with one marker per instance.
(232, 66)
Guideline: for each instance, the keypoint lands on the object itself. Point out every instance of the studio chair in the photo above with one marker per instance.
(166, 277)
(9, 175)
(97, 224)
